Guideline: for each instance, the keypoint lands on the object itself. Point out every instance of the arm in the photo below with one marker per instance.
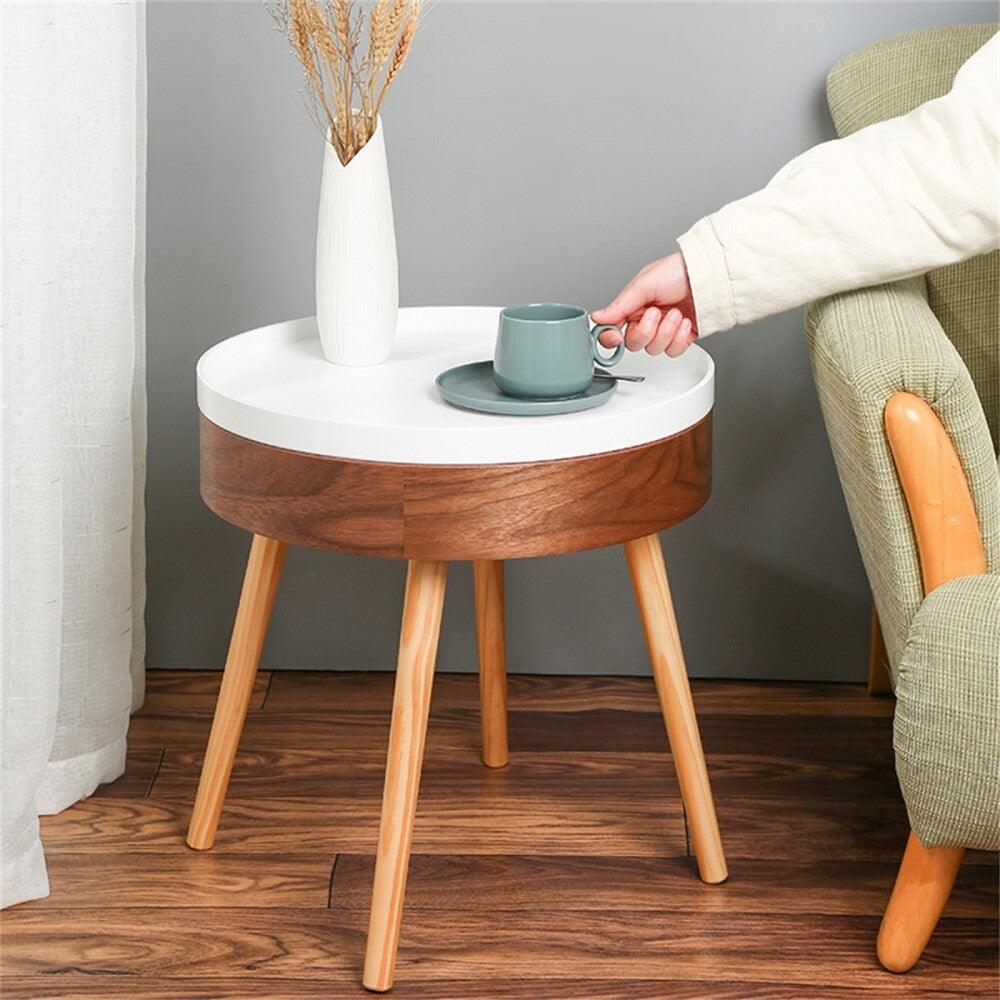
(943, 516)
(866, 346)
(893, 200)
(935, 686)
(920, 477)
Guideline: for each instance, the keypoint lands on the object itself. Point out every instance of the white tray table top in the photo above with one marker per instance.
(273, 385)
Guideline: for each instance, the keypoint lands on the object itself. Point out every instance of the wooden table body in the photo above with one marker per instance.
(302, 453)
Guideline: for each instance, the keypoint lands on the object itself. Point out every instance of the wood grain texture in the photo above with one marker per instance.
(302, 499)
(454, 512)
(943, 515)
(97, 987)
(195, 691)
(474, 823)
(565, 875)
(460, 883)
(488, 821)
(171, 878)
(652, 593)
(321, 774)
(858, 741)
(418, 642)
(295, 690)
(621, 945)
(141, 770)
(492, 659)
(256, 600)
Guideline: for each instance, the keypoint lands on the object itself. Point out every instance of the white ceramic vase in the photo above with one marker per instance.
(357, 277)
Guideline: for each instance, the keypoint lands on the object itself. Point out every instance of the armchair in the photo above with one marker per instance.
(908, 377)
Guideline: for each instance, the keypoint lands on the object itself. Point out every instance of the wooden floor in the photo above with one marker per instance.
(563, 875)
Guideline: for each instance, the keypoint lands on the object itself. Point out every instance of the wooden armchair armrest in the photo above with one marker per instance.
(949, 544)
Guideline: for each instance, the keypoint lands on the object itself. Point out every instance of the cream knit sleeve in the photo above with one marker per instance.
(892, 200)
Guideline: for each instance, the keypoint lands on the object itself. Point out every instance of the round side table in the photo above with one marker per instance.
(371, 461)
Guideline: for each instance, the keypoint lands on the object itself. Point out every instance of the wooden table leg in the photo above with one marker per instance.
(652, 592)
(879, 678)
(488, 579)
(259, 585)
(418, 640)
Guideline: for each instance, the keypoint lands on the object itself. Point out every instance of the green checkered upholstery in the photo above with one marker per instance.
(937, 336)
(946, 725)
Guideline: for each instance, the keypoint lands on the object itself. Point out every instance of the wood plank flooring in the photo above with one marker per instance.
(564, 875)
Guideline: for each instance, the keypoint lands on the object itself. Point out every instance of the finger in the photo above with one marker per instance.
(642, 333)
(632, 299)
(665, 332)
(610, 338)
(686, 306)
(683, 340)
(633, 319)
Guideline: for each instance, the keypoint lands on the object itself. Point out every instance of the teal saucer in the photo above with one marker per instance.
(471, 387)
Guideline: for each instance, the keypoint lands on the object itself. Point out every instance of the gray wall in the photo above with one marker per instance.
(537, 151)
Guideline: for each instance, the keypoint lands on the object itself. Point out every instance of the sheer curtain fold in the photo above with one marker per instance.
(73, 411)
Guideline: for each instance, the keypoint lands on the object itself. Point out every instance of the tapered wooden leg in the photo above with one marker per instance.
(879, 680)
(488, 578)
(418, 640)
(259, 585)
(923, 885)
(652, 592)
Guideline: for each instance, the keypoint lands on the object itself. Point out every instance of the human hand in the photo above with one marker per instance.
(658, 308)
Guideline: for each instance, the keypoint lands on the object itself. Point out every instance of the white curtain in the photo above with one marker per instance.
(73, 411)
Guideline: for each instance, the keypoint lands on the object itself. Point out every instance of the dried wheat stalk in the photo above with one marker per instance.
(346, 79)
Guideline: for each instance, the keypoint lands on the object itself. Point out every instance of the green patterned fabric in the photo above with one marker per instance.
(947, 727)
(937, 336)
(865, 346)
(889, 78)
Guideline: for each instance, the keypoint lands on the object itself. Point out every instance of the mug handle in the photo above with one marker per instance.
(619, 351)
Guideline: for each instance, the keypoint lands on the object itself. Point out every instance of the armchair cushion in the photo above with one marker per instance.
(947, 725)
(867, 345)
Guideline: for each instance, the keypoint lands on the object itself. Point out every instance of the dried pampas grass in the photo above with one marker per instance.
(345, 78)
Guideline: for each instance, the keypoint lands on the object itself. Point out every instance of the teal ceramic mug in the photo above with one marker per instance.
(546, 349)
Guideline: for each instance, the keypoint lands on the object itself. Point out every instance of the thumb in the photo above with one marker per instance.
(632, 299)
